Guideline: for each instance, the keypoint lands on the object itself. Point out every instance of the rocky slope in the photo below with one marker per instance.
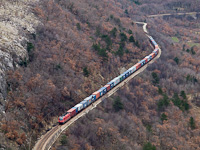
(16, 22)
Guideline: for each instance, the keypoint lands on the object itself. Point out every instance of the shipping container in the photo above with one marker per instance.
(138, 65)
(93, 97)
(79, 106)
(111, 83)
(116, 80)
(84, 103)
(121, 77)
(142, 62)
(104, 89)
(75, 109)
(107, 87)
(72, 112)
(126, 73)
(97, 94)
(150, 56)
(100, 91)
(88, 99)
(133, 68)
(146, 60)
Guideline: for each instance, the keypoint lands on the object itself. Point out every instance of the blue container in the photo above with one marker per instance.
(100, 91)
(104, 89)
(88, 99)
(76, 109)
(127, 73)
(142, 62)
(93, 97)
(85, 103)
(111, 83)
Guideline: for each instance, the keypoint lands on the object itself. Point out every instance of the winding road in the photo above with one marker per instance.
(161, 15)
(47, 140)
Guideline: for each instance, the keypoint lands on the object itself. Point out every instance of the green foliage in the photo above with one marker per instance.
(78, 26)
(23, 63)
(101, 51)
(118, 105)
(191, 78)
(64, 140)
(108, 41)
(130, 31)
(149, 146)
(163, 117)
(192, 123)
(183, 95)
(86, 72)
(176, 59)
(126, 11)
(164, 102)
(137, 44)
(58, 67)
(34, 36)
(160, 91)
(120, 51)
(149, 128)
(111, 16)
(123, 37)
(181, 104)
(155, 78)
(30, 46)
(192, 51)
(113, 32)
(131, 39)
(175, 39)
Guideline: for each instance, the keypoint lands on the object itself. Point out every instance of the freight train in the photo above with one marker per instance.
(110, 85)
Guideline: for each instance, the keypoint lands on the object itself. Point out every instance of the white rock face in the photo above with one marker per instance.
(16, 21)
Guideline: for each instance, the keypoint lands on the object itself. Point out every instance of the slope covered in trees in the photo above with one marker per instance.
(78, 47)
(83, 44)
(160, 106)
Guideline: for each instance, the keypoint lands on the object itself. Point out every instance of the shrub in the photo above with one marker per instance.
(176, 59)
(131, 39)
(192, 123)
(118, 105)
(130, 31)
(63, 140)
(164, 102)
(148, 146)
(120, 51)
(126, 11)
(30, 46)
(181, 104)
(155, 78)
(78, 26)
(183, 95)
(163, 117)
(123, 37)
(86, 72)
(113, 32)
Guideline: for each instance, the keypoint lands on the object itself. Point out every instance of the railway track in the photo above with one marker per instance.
(47, 140)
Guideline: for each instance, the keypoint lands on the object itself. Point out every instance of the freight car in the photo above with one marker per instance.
(96, 95)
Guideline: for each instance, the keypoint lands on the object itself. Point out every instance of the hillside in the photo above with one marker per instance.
(161, 106)
(77, 47)
(55, 53)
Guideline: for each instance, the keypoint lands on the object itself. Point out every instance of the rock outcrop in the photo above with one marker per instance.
(16, 22)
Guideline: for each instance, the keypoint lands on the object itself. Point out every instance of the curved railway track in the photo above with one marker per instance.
(47, 140)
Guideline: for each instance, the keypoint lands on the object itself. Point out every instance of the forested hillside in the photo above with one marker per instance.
(78, 47)
(81, 45)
